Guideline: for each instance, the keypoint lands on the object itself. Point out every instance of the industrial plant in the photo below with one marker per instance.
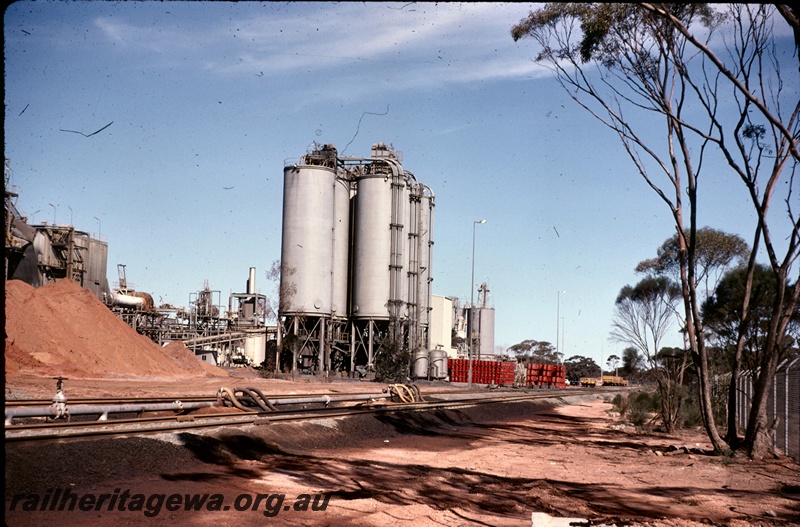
(356, 278)
(356, 259)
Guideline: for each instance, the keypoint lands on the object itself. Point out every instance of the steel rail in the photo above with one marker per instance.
(61, 431)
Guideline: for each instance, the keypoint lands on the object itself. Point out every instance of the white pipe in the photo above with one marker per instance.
(104, 410)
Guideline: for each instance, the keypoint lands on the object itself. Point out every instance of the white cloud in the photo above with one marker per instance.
(377, 46)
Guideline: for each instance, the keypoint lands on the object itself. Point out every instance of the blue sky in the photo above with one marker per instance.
(207, 100)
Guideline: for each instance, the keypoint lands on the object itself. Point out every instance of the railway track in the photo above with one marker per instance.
(149, 423)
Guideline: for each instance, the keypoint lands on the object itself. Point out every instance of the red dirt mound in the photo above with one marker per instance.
(63, 329)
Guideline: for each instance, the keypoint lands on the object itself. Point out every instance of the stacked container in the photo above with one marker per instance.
(546, 376)
(483, 371)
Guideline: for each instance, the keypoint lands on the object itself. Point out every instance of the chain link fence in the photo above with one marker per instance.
(783, 405)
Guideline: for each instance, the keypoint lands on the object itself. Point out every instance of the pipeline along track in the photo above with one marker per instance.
(145, 424)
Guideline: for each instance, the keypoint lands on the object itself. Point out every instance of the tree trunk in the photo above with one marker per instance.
(758, 440)
(732, 436)
(695, 336)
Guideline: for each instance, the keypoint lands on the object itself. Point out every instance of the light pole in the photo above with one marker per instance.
(99, 228)
(471, 317)
(558, 318)
(54, 212)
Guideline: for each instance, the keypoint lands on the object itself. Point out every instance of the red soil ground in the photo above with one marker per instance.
(476, 466)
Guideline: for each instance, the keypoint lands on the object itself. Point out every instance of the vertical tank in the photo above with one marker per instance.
(251, 281)
(255, 348)
(438, 364)
(424, 277)
(485, 321)
(307, 243)
(341, 247)
(379, 281)
(373, 247)
(420, 366)
(485, 325)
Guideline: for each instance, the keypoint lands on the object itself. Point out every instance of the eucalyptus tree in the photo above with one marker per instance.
(644, 314)
(631, 361)
(613, 363)
(716, 252)
(535, 351)
(644, 67)
(579, 366)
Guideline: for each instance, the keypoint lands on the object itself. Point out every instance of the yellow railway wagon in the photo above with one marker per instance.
(611, 380)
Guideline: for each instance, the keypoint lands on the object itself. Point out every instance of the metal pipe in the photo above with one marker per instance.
(251, 282)
(104, 410)
(326, 399)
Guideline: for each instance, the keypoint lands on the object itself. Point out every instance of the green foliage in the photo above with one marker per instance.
(392, 363)
(605, 25)
(632, 361)
(715, 250)
(620, 404)
(535, 351)
(671, 358)
(650, 289)
(613, 362)
(690, 415)
(578, 366)
(722, 312)
(640, 407)
(637, 407)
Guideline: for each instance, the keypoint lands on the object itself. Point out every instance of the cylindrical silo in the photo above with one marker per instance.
(341, 246)
(485, 325)
(255, 348)
(307, 244)
(375, 250)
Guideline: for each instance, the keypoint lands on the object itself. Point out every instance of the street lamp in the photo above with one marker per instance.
(54, 212)
(558, 318)
(471, 301)
(99, 227)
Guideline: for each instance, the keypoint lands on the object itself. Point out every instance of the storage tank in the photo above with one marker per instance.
(307, 243)
(376, 254)
(341, 247)
(485, 325)
(420, 366)
(438, 364)
(255, 348)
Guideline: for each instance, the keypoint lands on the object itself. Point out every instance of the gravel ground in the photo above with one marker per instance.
(490, 464)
